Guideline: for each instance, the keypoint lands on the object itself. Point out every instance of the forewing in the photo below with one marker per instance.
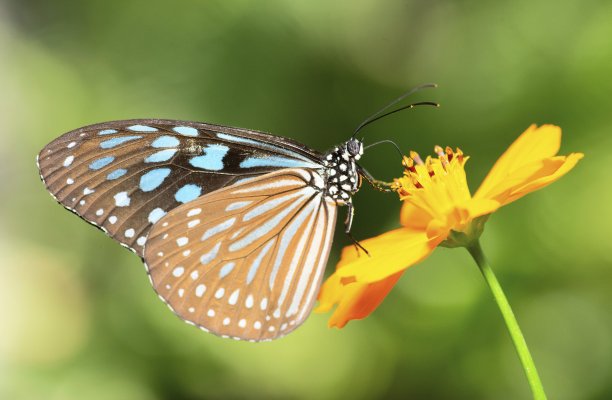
(245, 261)
(123, 176)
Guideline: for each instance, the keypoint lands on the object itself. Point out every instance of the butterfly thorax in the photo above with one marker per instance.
(341, 170)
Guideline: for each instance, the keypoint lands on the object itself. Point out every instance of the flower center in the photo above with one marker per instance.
(421, 175)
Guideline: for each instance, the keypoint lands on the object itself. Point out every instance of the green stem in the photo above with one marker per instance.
(511, 323)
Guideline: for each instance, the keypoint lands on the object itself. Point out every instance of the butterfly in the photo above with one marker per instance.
(234, 226)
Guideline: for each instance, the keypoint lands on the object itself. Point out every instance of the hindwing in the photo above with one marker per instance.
(245, 261)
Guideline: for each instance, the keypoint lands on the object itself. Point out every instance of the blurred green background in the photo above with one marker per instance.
(78, 318)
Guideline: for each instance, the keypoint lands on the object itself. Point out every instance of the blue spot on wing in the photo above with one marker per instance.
(274, 161)
(118, 173)
(101, 163)
(142, 128)
(162, 155)
(165, 141)
(186, 130)
(187, 193)
(156, 215)
(152, 179)
(268, 146)
(212, 159)
(107, 132)
(110, 143)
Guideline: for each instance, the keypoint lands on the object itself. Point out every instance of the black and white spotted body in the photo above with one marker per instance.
(343, 179)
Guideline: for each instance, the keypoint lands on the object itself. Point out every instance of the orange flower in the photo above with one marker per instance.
(439, 210)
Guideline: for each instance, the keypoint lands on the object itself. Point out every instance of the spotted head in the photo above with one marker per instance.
(341, 170)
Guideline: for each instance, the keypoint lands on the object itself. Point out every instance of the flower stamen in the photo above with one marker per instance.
(415, 156)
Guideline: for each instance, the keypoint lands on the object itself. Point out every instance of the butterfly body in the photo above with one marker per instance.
(234, 226)
(342, 170)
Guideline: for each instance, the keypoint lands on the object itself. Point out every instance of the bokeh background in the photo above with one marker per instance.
(78, 319)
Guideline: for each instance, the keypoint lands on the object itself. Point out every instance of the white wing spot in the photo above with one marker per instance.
(82, 202)
(226, 269)
(242, 323)
(181, 292)
(129, 233)
(182, 241)
(208, 257)
(186, 253)
(191, 309)
(223, 226)
(141, 241)
(249, 301)
(271, 329)
(87, 191)
(68, 161)
(211, 313)
(226, 321)
(112, 219)
(122, 199)
(194, 274)
(257, 325)
(264, 303)
(233, 299)
(99, 212)
(219, 293)
(200, 289)
(69, 181)
(71, 145)
(193, 223)
(178, 271)
(237, 205)
(194, 211)
(237, 233)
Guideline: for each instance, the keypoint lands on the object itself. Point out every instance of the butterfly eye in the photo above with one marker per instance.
(354, 147)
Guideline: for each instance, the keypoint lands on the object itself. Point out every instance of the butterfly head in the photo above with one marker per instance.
(354, 148)
(341, 170)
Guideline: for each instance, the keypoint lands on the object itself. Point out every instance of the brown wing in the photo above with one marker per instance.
(245, 261)
(123, 176)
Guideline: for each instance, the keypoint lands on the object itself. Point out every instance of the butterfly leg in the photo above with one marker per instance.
(376, 184)
(348, 223)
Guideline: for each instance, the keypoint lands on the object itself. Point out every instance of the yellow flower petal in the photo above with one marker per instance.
(527, 165)
(355, 300)
(532, 177)
(414, 217)
(479, 207)
(390, 253)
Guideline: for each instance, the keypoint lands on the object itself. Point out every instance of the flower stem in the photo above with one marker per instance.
(511, 323)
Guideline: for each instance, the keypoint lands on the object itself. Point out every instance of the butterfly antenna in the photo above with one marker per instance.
(399, 151)
(421, 103)
(377, 115)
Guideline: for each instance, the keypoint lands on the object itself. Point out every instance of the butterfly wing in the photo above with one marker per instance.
(123, 176)
(245, 261)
